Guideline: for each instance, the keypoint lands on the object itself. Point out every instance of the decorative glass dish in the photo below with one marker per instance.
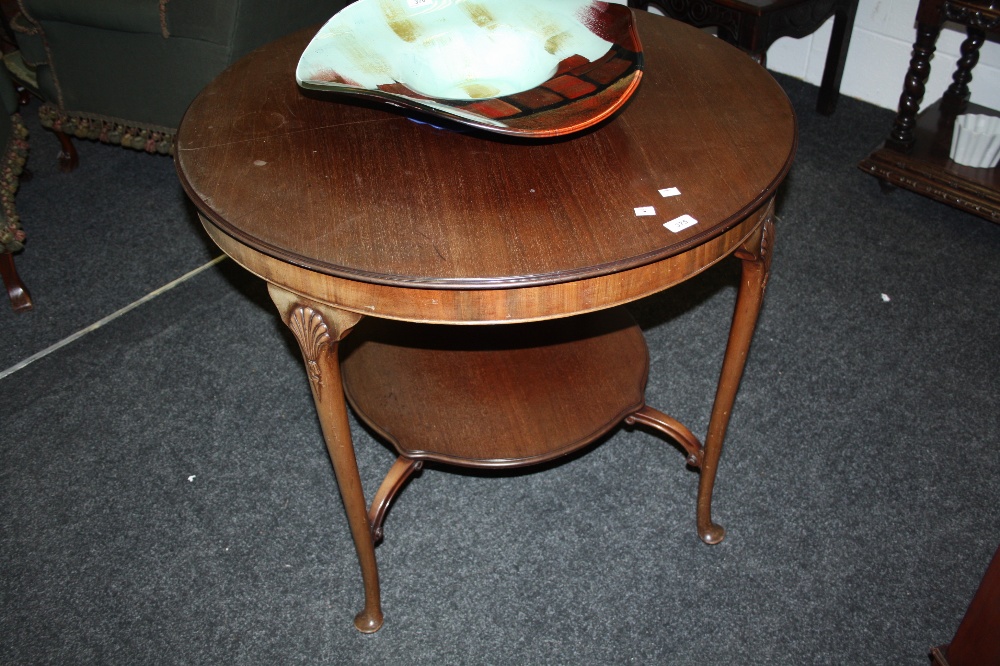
(517, 67)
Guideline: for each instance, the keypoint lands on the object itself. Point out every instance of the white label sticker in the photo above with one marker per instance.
(669, 192)
(645, 210)
(680, 223)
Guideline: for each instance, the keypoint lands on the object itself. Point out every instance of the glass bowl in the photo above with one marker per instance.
(517, 67)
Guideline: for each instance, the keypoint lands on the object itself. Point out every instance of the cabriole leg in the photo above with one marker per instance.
(69, 159)
(755, 255)
(318, 330)
(18, 294)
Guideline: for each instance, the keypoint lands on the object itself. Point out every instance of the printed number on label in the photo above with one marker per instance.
(680, 223)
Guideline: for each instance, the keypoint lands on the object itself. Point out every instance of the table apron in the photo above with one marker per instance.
(490, 306)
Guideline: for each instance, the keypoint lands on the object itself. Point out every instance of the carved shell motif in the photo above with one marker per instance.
(313, 334)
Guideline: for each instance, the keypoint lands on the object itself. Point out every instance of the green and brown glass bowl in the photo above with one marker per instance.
(516, 67)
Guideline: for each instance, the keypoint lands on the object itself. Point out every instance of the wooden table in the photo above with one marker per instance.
(360, 219)
(916, 154)
(754, 25)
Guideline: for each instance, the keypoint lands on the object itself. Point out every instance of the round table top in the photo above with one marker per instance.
(359, 191)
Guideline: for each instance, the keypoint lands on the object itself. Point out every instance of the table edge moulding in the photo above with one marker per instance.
(302, 191)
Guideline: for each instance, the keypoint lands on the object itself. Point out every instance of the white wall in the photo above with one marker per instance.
(879, 56)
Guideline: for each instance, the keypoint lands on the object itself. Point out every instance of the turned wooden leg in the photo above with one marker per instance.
(901, 135)
(394, 481)
(755, 255)
(956, 97)
(319, 329)
(68, 157)
(20, 299)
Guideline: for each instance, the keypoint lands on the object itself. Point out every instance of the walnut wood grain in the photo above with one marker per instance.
(453, 306)
(755, 257)
(398, 475)
(495, 396)
(380, 199)
(673, 429)
(318, 329)
(352, 212)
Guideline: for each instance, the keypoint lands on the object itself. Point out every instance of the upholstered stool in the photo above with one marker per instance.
(753, 25)
(13, 153)
(124, 71)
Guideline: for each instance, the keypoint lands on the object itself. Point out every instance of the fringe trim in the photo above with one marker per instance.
(17, 25)
(45, 44)
(164, 30)
(11, 167)
(151, 138)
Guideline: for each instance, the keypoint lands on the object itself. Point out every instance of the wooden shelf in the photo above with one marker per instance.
(497, 395)
(915, 154)
(926, 168)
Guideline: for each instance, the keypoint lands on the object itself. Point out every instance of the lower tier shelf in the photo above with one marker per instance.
(495, 396)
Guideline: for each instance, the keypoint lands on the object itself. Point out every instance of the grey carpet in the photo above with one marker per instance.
(165, 496)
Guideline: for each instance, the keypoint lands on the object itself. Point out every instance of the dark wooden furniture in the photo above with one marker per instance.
(977, 640)
(362, 221)
(123, 73)
(17, 293)
(13, 155)
(753, 25)
(915, 154)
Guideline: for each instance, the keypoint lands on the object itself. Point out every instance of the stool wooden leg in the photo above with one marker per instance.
(318, 329)
(20, 299)
(901, 135)
(69, 159)
(756, 259)
(836, 56)
(956, 97)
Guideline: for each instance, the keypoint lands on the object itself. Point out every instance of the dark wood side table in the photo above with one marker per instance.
(916, 153)
(975, 642)
(753, 25)
(363, 221)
